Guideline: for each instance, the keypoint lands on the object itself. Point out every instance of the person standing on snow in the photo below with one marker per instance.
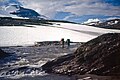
(62, 42)
(68, 42)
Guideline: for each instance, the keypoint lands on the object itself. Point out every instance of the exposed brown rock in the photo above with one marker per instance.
(100, 56)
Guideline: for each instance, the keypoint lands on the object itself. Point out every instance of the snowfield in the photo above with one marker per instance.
(21, 35)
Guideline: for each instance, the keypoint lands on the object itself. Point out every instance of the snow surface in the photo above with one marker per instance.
(113, 22)
(91, 21)
(116, 22)
(21, 35)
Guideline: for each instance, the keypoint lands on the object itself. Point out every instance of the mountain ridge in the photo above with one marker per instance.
(108, 24)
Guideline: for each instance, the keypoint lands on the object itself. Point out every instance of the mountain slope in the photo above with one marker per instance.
(28, 13)
(109, 24)
(16, 10)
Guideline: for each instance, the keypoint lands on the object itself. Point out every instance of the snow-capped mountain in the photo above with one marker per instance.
(21, 12)
(111, 24)
(27, 13)
(92, 22)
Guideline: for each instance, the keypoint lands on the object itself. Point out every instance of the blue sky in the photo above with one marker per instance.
(71, 10)
(113, 2)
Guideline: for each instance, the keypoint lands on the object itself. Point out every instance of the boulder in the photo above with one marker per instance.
(100, 56)
(3, 54)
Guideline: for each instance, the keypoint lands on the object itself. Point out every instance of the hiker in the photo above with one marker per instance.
(68, 42)
(62, 42)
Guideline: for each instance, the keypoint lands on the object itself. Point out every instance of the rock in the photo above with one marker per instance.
(22, 70)
(3, 54)
(100, 56)
(109, 24)
(58, 61)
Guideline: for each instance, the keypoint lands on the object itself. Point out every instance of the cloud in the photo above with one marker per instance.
(77, 7)
(4, 9)
(9, 2)
(68, 17)
(96, 8)
(45, 7)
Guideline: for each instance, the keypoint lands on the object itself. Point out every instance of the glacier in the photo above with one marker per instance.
(22, 35)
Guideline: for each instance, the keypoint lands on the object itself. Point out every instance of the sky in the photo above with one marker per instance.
(71, 10)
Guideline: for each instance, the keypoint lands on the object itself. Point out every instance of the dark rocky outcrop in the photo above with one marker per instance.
(100, 56)
(9, 21)
(3, 54)
(110, 24)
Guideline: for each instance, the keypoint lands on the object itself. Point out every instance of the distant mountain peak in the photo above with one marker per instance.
(109, 24)
(18, 11)
(92, 21)
(26, 13)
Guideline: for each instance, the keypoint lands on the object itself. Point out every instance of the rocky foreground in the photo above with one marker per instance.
(100, 56)
(3, 54)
